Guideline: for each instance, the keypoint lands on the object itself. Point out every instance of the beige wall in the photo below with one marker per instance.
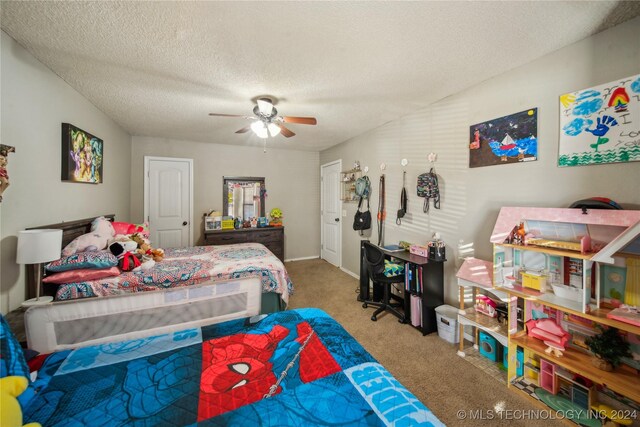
(34, 104)
(471, 198)
(292, 180)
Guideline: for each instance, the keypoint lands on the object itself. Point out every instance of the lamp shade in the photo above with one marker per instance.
(38, 246)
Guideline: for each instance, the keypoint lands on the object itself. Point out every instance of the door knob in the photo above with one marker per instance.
(337, 219)
(184, 222)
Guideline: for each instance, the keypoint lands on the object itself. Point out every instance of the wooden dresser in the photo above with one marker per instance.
(271, 237)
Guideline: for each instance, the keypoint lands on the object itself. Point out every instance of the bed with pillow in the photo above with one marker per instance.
(297, 367)
(189, 287)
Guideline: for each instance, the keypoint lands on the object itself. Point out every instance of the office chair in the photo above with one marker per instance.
(374, 260)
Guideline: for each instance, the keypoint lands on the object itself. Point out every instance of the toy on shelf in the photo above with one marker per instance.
(549, 333)
(517, 235)
(276, 217)
(486, 306)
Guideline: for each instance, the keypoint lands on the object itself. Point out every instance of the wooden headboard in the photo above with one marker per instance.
(70, 230)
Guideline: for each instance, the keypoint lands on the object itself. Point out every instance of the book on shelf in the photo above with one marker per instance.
(393, 248)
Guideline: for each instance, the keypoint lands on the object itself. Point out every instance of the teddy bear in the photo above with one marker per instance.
(10, 411)
(158, 254)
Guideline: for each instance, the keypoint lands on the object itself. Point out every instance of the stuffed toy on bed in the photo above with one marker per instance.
(96, 240)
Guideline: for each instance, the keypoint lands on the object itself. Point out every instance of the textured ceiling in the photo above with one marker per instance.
(157, 69)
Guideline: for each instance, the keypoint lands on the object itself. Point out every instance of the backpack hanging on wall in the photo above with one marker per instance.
(363, 187)
(428, 188)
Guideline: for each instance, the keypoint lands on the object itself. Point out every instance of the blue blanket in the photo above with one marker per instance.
(227, 374)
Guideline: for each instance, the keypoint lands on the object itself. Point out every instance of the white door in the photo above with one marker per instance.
(331, 218)
(168, 200)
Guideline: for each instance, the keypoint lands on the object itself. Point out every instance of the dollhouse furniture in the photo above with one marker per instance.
(477, 275)
(548, 377)
(549, 333)
(578, 278)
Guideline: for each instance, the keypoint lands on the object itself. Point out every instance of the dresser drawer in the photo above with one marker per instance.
(267, 236)
(225, 238)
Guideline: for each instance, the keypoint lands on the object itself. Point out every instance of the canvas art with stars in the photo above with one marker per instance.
(508, 139)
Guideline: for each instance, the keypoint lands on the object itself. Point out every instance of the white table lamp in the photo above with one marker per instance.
(37, 247)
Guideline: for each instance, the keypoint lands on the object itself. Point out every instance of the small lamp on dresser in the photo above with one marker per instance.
(37, 247)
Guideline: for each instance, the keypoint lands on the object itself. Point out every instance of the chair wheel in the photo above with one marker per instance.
(364, 305)
(374, 318)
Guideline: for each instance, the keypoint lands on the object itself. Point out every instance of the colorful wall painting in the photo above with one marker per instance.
(81, 155)
(612, 283)
(601, 124)
(508, 139)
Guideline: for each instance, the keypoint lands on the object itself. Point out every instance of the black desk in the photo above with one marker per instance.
(432, 294)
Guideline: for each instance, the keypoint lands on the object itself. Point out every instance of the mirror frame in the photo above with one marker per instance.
(225, 191)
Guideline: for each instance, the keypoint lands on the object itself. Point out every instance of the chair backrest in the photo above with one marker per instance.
(374, 258)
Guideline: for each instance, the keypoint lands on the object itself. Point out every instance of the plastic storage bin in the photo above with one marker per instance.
(447, 319)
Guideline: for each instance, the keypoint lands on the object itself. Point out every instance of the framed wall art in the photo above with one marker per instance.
(508, 139)
(82, 155)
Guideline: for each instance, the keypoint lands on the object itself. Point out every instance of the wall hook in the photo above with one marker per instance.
(432, 157)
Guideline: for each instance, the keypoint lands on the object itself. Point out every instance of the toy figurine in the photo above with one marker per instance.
(4, 159)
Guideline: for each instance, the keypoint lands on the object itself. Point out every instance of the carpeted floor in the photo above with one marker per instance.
(428, 366)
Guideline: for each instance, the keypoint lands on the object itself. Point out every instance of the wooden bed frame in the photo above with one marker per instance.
(70, 230)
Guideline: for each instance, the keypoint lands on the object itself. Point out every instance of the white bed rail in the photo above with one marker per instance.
(83, 322)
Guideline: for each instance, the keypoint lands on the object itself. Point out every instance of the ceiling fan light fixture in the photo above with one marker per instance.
(265, 105)
(274, 129)
(260, 129)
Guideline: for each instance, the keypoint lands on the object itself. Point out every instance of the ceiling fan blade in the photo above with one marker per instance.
(287, 133)
(265, 106)
(232, 115)
(244, 129)
(300, 120)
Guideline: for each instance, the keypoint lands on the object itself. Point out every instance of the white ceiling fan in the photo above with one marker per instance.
(267, 122)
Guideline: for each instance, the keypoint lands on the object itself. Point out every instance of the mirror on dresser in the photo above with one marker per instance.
(243, 197)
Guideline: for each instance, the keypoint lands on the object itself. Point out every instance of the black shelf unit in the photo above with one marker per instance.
(432, 294)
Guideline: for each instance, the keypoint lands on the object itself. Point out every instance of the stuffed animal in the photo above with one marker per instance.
(147, 262)
(158, 254)
(121, 246)
(10, 410)
(101, 232)
(129, 261)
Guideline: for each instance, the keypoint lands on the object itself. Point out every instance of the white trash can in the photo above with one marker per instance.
(447, 319)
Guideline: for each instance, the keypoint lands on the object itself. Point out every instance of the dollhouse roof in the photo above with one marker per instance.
(623, 225)
(477, 271)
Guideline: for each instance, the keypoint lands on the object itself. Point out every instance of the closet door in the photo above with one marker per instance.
(168, 201)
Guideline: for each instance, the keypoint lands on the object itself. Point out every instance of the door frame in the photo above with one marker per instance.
(147, 161)
(339, 163)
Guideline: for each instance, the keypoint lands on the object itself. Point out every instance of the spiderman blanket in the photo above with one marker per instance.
(296, 367)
